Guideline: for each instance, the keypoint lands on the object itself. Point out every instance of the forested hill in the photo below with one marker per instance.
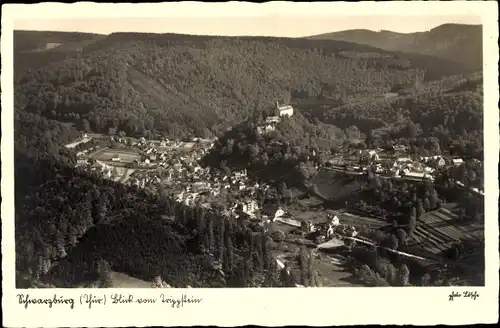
(457, 42)
(180, 85)
(34, 49)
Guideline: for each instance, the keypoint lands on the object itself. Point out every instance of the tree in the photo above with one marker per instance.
(303, 260)
(366, 275)
(86, 125)
(434, 200)
(278, 236)
(403, 275)
(157, 282)
(413, 212)
(283, 188)
(426, 280)
(310, 271)
(420, 209)
(427, 204)
(104, 271)
(390, 273)
(393, 242)
(401, 235)
(412, 224)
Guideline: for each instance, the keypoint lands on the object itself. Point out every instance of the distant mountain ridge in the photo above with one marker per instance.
(34, 49)
(457, 42)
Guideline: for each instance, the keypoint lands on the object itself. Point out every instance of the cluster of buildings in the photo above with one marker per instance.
(271, 121)
(82, 140)
(397, 164)
(190, 184)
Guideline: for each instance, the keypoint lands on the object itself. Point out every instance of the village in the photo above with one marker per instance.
(174, 166)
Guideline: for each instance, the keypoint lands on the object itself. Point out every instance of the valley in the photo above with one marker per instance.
(149, 160)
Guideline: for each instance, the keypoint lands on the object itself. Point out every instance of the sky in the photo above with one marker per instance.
(250, 26)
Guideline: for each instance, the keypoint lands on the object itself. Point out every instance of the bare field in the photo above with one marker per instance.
(122, 280)
(125, 155)
(335, 186)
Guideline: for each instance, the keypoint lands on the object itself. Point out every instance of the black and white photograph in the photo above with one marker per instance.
(250, 152)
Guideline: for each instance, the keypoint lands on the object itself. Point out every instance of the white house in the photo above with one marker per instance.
(269, 128)
(282, 110)
(329, 232)
(335, 221)
(458, 161)
(279, 213)
(250, 207)
(441, 162)
(273, 119)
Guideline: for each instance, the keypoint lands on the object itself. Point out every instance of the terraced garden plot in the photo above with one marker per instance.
(437, 230)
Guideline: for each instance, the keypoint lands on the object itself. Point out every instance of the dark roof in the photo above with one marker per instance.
(269, 209)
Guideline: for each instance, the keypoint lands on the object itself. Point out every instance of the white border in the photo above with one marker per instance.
(271, 307)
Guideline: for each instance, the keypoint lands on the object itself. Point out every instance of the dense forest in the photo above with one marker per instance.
(293, 149)
(460, 43)
(147, 84)
(446, 122)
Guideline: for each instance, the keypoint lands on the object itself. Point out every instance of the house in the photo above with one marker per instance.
(334, 221)
(403, 159)
(458, 161)
(369, 155)
(269, 128)
(440, 162)
(282, 110)
(307, 227)
(252, 206)
(417, 176)
(272, 211)
(81, 161)
(249, 207)
(399, 147)
(394, 172)
(336, 161)
(241, 174)
(389, 95)
(351, 231)
(329, 231)
(272, 119)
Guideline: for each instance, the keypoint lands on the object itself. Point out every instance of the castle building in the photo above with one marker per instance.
(282, 110)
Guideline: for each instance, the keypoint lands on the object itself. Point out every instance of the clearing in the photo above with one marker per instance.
(122, 280)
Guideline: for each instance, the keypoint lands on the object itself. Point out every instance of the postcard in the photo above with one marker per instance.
(230, 164)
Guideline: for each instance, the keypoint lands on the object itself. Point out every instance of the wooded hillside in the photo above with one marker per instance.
(178, 85)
